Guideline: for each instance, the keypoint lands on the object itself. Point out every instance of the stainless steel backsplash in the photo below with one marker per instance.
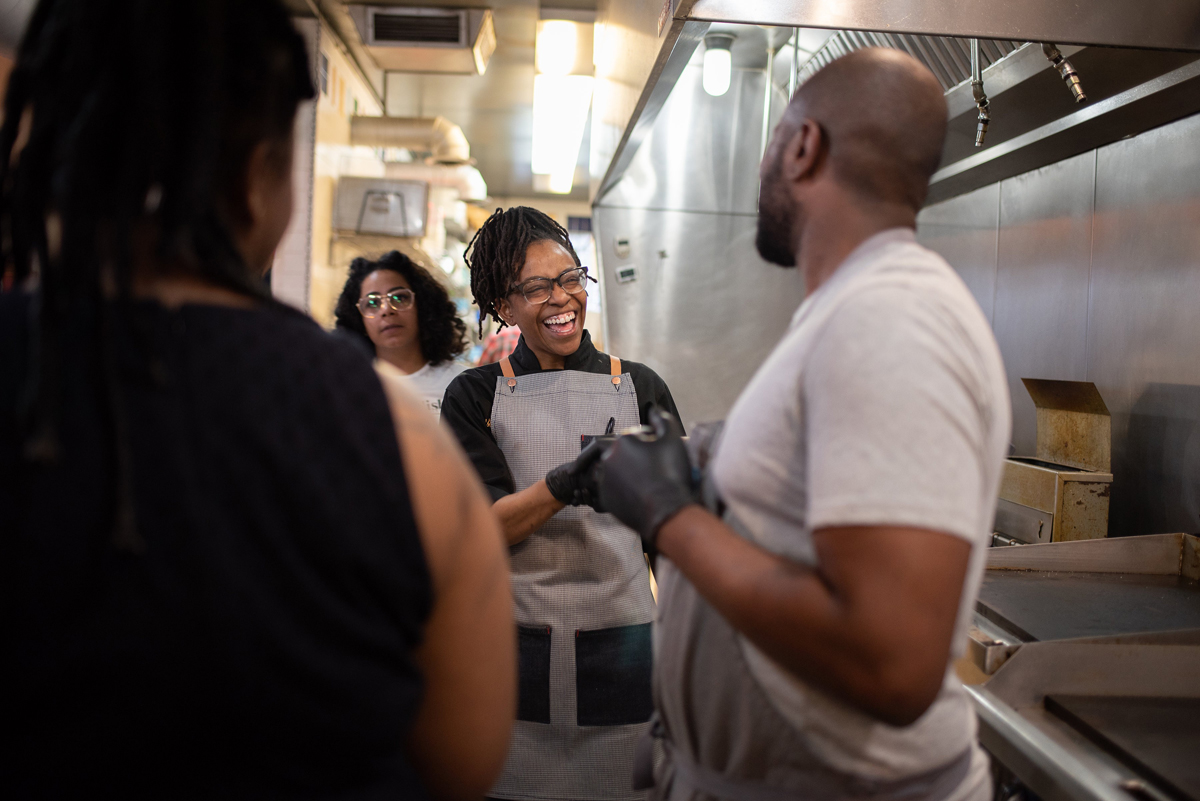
(703, 310)
(1089, 269)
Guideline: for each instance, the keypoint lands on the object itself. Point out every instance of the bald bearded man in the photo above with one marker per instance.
(805, 639)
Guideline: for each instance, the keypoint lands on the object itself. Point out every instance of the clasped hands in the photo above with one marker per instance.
(642, 479)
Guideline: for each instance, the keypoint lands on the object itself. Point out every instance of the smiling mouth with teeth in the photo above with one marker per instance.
(561, 323)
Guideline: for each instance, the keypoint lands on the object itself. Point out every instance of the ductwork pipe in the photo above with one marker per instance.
(436, 135)
(462, 177)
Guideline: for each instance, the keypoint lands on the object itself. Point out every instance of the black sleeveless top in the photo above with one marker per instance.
(260, 645)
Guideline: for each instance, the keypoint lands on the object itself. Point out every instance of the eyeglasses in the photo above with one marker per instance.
(538, 290)
(374, 304)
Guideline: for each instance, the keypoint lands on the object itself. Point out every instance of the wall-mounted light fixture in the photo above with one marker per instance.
(561, 101)
(718, 63)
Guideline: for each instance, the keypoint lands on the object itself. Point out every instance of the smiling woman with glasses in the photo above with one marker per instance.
(408, 320)
(580, 582)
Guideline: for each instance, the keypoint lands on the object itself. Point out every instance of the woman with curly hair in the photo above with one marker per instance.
(407, 318)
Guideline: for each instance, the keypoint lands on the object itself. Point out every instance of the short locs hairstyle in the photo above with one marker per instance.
(442, 335)
(497, 254)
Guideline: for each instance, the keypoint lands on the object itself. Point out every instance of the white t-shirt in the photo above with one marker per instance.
(885, 403)
(430, 383)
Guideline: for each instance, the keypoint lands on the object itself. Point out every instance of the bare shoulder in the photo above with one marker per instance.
(408, 411)
(449, 503)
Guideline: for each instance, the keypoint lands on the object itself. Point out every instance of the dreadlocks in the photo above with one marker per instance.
(136, 116)
(497, 253)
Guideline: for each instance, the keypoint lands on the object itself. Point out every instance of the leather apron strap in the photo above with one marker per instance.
(613, 362)
(506, 368)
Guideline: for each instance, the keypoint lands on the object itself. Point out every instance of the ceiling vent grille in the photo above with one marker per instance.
(437, 40)
(419, 27)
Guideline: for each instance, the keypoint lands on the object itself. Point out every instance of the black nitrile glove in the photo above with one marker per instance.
(574, 483)
(646, 478)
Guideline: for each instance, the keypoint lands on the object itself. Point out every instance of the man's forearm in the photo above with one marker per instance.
(786, 609)
(524, 512)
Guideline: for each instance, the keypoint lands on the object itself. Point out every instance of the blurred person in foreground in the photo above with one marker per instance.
(235, 561)
(805, 641)
(407, 318)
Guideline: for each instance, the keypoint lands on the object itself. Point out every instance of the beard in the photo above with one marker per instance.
(775, 220)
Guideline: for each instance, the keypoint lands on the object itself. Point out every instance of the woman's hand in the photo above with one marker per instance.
(571, 483)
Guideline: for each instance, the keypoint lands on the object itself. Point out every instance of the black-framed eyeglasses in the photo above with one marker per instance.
(373, 304)
(538, 290)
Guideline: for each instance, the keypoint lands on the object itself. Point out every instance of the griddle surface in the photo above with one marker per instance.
(1036, 605)
(1157, 737)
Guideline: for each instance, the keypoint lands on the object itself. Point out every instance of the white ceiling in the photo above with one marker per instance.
(495, 110)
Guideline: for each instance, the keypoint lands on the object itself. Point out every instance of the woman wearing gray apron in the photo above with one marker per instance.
(580, 582)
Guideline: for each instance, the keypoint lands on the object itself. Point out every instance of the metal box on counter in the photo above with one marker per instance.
(1061, 493)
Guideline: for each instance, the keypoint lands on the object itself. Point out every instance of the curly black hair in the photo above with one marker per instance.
(497, 253)
(441, 333)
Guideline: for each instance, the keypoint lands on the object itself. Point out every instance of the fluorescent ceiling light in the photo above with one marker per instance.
(560, 111)
(718, 63)
(557, 42)
(560, 102)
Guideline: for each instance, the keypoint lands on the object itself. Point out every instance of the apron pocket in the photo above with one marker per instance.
(533, 669)
(612, 676)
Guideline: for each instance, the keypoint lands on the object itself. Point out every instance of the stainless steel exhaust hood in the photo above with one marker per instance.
(1033, 116)
(1167, 24)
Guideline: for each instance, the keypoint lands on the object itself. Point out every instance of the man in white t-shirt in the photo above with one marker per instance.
(805, 640)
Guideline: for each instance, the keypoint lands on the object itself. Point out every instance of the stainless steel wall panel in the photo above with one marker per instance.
(1088, 268)
(606, 169)
(1097, 278)
(704, 310)
(964, 231)
(1044, 250)
(703, 153)
(1144, 338)
(631, 50)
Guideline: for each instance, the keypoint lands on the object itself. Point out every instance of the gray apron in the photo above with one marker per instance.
(720, 735)
(582, 599)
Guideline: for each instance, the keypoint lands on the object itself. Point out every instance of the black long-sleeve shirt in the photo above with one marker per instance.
(467, 406)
